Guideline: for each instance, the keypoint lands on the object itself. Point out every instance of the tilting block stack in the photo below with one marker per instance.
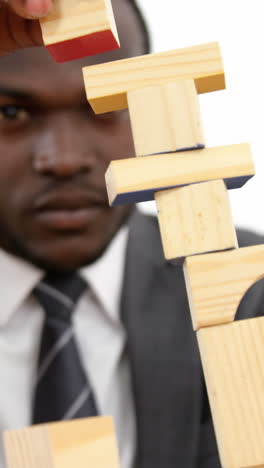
(189, 184)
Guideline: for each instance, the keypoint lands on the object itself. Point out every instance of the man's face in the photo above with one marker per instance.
(54, 153)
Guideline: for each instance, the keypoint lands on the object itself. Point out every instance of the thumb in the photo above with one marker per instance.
(31, 9)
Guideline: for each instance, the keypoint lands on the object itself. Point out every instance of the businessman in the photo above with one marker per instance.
(93, 320)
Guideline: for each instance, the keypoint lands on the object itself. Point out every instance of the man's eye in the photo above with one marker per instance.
(14, 113)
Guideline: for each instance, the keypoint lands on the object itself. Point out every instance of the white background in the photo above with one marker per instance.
(235, 115)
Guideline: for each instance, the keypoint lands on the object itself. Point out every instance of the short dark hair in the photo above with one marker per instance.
(143, 25)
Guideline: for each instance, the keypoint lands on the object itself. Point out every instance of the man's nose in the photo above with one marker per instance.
(64, 146)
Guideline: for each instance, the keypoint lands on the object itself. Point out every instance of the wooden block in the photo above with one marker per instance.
(79, 443)
(232, 357)
(216, 283)
(107, 84)
(135, 180)
(77, 28)
(195, 219)
(165, 118)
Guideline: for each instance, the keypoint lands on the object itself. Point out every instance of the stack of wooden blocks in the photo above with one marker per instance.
(189, 184)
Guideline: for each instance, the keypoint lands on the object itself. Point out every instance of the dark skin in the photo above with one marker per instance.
(16, 27)
(54, 152)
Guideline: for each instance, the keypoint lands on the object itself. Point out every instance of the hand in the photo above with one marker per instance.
(18, 25)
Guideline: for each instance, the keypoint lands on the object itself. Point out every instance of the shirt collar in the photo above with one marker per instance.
(105, 276)
(18, 278)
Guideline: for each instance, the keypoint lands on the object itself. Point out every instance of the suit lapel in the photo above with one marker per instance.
(159, 342)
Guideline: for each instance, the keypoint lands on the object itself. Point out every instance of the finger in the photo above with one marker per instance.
(32, 9)
(7, 42)
(17, 32)
(25, 33)
(3, 3)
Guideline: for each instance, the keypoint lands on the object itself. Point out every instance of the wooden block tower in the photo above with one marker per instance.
(189, 184)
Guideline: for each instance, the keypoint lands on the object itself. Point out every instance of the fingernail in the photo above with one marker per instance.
(38, 8)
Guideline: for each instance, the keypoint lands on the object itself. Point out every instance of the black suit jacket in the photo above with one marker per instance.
(173, 418)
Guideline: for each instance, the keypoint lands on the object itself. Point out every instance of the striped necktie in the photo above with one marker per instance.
(62, 389)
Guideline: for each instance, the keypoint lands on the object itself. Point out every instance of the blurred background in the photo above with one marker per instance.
(235, 115)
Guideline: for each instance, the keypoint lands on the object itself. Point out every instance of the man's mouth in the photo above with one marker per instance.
(68, 211)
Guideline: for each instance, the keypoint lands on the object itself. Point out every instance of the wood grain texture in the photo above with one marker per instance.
(77, 28)
(28, 448)
(81, 443)
(137, 179)
(216, 283)
(165, 118)
(232, 357)
(195, 219)
(107, 84)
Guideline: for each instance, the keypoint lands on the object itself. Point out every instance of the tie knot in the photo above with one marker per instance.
(58, 294)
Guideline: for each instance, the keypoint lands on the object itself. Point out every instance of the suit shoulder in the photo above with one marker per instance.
(246, 238)
(145, 228)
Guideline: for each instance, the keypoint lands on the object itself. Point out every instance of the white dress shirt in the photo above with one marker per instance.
(100, 336)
